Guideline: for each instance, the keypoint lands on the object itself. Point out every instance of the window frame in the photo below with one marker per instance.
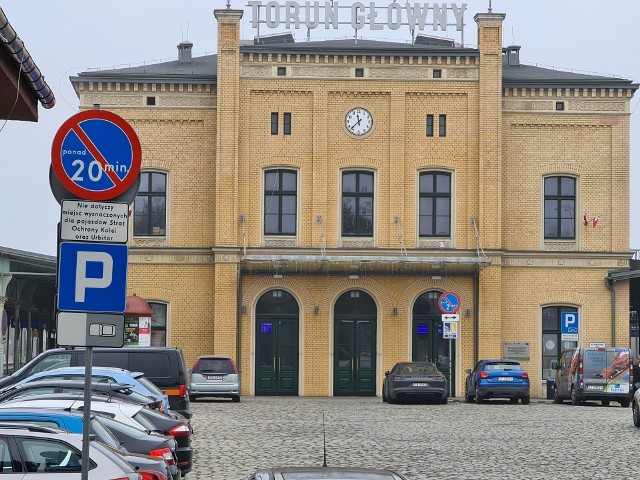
(274, 123)
(559, 198)
(286, 123)
(149, 195)
(280, 194)
(358, 196)
(429, 127)
(442, 125)
(435, 195)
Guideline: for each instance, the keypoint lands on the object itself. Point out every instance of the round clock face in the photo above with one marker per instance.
(358, 121)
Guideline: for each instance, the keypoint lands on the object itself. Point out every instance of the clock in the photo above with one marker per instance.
(358, 121)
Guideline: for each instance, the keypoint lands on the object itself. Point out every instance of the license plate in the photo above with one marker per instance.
(595, 387)
(505, 379)
(214, 377)
(420, 385)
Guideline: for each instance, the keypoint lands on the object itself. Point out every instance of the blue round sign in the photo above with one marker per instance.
(449, 302)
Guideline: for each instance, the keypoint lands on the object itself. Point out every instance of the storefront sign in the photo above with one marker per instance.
(311, 15)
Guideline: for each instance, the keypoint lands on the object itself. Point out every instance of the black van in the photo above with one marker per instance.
(164, 366)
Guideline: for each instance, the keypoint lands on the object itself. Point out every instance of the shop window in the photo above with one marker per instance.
(552, 343)
(280, 202)
(150, 206)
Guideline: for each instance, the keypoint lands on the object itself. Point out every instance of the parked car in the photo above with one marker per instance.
(499, 378)
(35, 452)
(214, 376)
(147, 456)
(125, 412)
(139, 383)
(414, 380)
(594, 373)
(164, 366)
(635, 407)
(321, 473)
(117, 391)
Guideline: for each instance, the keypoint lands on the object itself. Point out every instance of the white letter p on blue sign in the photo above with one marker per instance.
(569, 322)
(92, 277)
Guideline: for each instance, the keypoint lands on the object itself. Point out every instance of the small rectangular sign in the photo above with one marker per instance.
(516, 351)
(573, 337)
(597, 344)
(78, 329)
(84, 221)
(450, 330)
(450, 317)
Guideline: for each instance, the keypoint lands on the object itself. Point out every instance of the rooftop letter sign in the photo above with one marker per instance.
(313, 14)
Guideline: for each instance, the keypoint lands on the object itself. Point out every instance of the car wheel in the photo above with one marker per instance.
(605, 403)
(479, 398)
(636, 414)
(625, 403)
(556, 397)
(513, 400)
(444, 400)
(192, 398)
(468, 398)
(236, 398)
(526, 400)
(574, 398)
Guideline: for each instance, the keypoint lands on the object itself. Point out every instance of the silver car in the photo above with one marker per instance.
(214, 376)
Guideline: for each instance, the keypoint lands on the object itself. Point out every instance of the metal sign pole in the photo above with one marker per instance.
(88, 361)
(450, 371)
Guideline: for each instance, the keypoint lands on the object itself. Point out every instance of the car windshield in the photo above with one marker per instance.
(417, 368)
(502, 366)
(215, 365)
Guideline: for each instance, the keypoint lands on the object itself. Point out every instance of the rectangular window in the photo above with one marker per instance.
(282, 71)
(443, 125)
(552, 343)
(435, 204)
(559, 106)
(429, 125)
(437, 74)
(274, 123)
(359, 72)
(357, 204)
(280, 202)
(559, 208)
(287, 124)
(150, 206)
(151, 101)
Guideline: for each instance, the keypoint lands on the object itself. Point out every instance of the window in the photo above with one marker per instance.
(280, 202)
(443, 125)
(435, 204)
(359, 72)
(559, 106)
(552, 343)
(158, 324)
(357, 204)
(287, 124)
(151, 101)
(282, 71)
(429, 125)
(274, 123)
(437, 74)
(150, 217)
(50, 456)
(559, 207)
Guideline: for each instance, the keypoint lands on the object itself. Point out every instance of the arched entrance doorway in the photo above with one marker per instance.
(426, 334)
(354, 352)
(277, 344)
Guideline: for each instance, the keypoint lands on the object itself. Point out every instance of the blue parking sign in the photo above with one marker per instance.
(569, 323)
(92, 277)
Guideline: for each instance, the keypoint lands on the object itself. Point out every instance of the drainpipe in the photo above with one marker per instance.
(476, 303)
(31, 72)
(609, 284)
(239, 325)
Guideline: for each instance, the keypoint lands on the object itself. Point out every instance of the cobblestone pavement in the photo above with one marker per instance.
(495, 440)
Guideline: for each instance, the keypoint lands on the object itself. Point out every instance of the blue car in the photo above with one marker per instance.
(497, 379)
(119, 375)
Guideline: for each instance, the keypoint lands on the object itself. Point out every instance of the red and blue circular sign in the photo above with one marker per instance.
(449, 302)
(96, 155)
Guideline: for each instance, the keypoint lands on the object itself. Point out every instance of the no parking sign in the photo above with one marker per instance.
(96, 155)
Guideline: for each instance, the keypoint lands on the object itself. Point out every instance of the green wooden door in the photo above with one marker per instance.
(277, 356)
(354, 359)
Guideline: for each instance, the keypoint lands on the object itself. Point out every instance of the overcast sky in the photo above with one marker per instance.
(65, 37)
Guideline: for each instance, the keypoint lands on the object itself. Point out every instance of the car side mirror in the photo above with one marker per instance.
(468, 371)
(386, 374)
(554, 365)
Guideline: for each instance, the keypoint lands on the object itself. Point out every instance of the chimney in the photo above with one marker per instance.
(184, 52)
(513, 55)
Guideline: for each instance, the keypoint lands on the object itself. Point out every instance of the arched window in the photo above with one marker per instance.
(277, 302)
(150, 207)
(355, 302)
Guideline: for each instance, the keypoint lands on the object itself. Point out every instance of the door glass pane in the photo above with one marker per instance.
(365, 340)
(288, 341)
(421, 342)
(345, 342)
(265, 344)
(550, 318)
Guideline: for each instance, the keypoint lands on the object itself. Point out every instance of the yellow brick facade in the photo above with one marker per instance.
(214, 143)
